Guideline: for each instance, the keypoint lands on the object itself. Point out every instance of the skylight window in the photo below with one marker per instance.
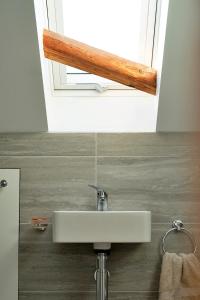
(122, 27)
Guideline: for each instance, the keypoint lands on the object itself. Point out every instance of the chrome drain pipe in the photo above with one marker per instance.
(101, 276)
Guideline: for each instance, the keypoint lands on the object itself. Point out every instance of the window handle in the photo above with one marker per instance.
(100, 87)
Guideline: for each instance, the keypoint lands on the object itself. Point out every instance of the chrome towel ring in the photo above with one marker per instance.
(177, 225)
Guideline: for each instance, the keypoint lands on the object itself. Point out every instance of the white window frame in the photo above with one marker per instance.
(58, 71)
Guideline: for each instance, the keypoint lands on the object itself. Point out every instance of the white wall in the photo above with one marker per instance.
(179, 100)
(22, 105)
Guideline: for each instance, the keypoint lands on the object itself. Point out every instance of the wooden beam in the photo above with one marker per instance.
(79, 55)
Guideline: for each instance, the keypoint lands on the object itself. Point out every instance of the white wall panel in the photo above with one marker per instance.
(9, 234)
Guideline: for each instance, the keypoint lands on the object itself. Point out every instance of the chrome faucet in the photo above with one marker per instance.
(102, 198)
(102, 250)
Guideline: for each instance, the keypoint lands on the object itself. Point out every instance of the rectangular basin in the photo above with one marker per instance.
(101, 226)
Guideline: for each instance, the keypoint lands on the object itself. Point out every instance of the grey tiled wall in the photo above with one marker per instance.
(157, 172)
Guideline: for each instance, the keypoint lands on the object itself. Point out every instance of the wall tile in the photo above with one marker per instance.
(53, 183)
(47, 144)
(88, 296)
(29, 234)
(148, 144)
(56, 267)
(166, 186)
(56, 296)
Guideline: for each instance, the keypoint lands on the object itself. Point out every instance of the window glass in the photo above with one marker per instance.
(111, 25)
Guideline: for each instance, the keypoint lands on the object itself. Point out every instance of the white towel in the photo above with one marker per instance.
(180, 277)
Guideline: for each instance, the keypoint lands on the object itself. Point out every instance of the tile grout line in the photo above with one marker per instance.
(95, 155)
(153, 223)
(43, 156)
(85, 291)
(95, 161)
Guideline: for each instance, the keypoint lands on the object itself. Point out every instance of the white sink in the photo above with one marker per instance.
(101, 226)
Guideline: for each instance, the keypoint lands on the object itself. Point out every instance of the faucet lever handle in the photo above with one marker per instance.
(100, 192)
(94, 187)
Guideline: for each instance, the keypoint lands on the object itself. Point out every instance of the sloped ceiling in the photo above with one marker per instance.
(179, 100)
(22, 104)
